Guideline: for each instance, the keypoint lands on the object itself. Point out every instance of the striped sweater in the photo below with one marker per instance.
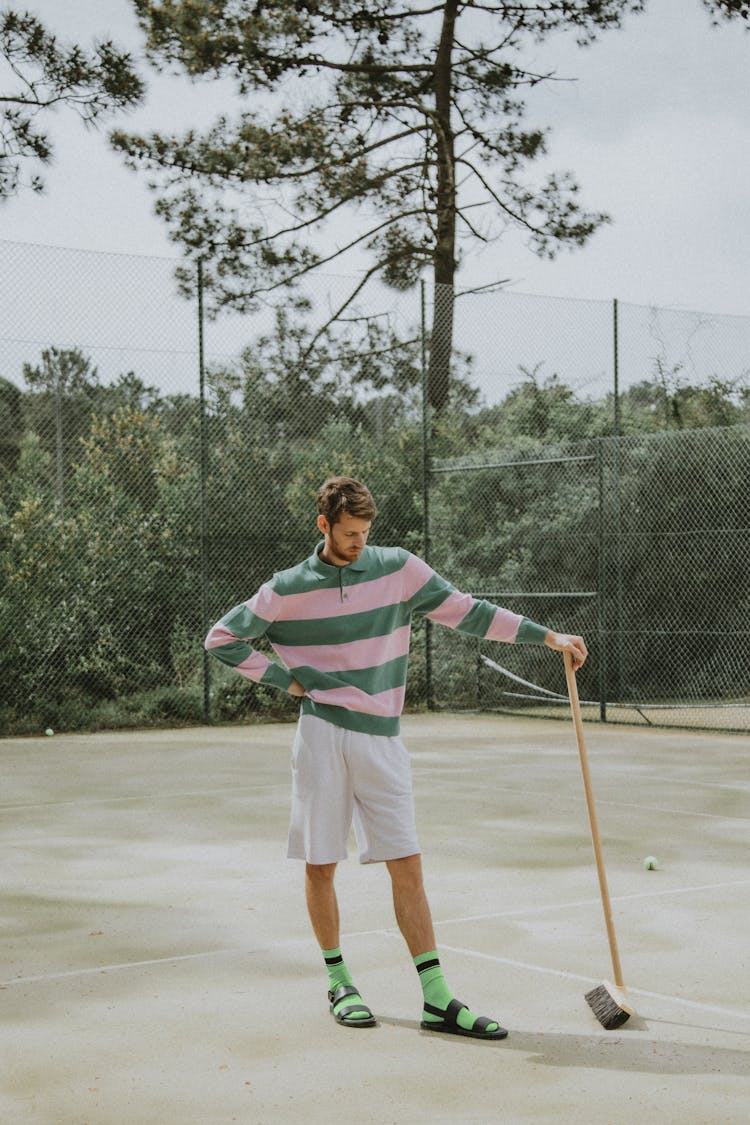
(343, 632)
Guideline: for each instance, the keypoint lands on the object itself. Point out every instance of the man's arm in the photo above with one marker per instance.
(229, 641)
(441, 602)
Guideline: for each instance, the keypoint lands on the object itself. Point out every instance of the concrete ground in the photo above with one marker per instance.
(157, 965)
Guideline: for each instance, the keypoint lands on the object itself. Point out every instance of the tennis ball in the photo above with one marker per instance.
(650, 863)
(49, 732)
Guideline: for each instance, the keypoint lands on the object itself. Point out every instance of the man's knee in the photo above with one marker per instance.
(406, 870)
(320, 873)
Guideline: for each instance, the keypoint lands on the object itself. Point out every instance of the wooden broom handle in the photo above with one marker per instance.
(575, 708)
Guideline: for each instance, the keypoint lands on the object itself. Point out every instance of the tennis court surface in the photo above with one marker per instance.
(158, 965)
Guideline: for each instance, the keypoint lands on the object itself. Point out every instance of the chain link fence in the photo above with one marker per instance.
(640, 543)
(158, 462)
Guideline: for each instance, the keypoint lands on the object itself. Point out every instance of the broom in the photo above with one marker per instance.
(608, 1002)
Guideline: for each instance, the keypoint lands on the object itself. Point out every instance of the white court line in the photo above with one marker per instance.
(146, 797)
(142, 797)
(380, 931)
(389, 933)
(496, 788)
(554, 794)
(736, 787)
(522, 912)
(672, 812)
(41, 978)
(695, 1004)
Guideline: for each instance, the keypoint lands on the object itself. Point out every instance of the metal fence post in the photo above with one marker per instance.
(616, 366)
(618, 506)
(59, 446)
(426, 489)
(601, 599)
(203, 506)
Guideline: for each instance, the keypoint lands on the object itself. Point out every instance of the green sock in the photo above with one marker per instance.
(437, 993)
(338, 974)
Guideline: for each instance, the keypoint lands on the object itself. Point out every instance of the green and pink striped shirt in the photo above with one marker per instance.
(343, 632)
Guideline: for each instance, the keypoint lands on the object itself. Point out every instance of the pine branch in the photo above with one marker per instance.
(369, 274)
(290, 278)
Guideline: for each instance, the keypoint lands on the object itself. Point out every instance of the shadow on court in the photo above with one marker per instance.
(157, 964)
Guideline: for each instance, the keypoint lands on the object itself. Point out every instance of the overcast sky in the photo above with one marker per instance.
(656, 129)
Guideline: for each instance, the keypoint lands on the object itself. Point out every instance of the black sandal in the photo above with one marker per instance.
(449, 1024)
(344, 1015)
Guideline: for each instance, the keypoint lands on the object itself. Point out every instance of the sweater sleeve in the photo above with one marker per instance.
(229, 640)
(439, 601)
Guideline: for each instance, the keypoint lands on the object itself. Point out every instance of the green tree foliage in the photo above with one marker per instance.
(66, 372)
(66, 393)
(728, 9)
(92, 595)
(669, 402)
(46, 75)
(63, 387)
(683, 508)
(289, 413)
(10, 425)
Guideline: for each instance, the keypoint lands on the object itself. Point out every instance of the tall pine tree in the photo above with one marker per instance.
(407, 118)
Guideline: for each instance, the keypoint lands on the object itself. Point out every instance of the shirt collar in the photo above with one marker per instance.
(325, 570)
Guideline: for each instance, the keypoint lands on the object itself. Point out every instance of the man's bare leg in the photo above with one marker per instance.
(410, 903)
(323, 908)
(322, 904)
(415, 922)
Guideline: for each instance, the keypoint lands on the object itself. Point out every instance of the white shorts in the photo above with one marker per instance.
(340, 777)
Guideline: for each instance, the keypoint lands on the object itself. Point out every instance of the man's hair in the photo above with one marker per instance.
(344, 496)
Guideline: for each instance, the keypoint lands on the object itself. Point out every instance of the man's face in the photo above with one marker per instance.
(345, 540)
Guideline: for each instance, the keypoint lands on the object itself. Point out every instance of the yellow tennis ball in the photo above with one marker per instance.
(650, 863)
(49, 732)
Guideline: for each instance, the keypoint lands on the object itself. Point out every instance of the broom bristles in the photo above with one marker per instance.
(609, 1005)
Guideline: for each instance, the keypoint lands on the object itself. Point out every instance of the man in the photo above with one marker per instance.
(340, 623)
